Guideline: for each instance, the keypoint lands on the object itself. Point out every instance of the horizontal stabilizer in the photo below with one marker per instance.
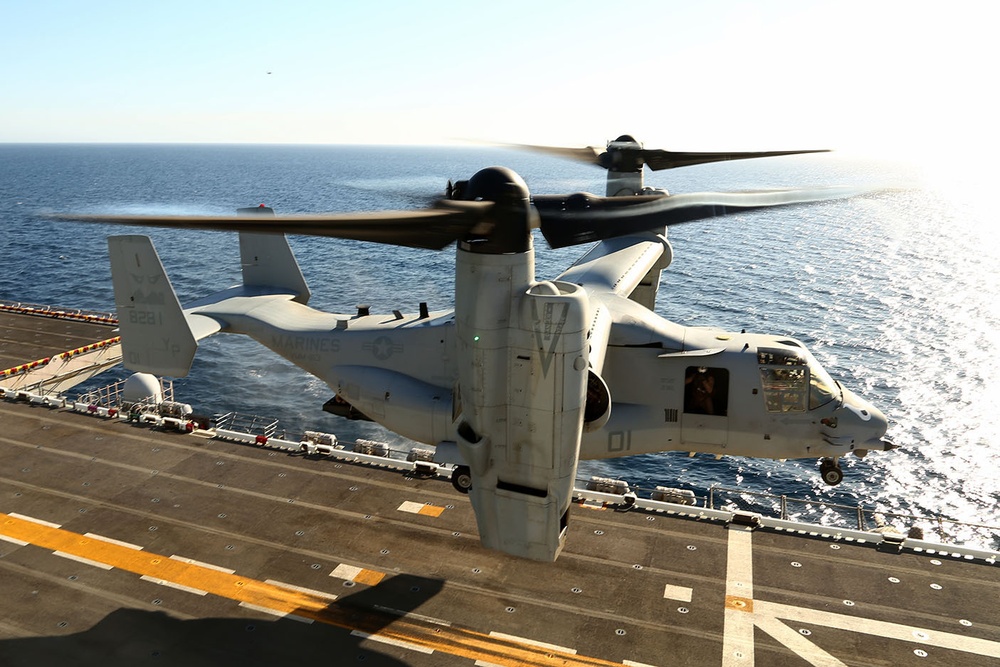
(202, 326)
(156, 336)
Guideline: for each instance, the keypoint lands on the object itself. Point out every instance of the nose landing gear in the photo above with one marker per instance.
(829, 470)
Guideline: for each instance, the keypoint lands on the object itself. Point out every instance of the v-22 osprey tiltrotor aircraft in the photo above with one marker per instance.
(524, 377)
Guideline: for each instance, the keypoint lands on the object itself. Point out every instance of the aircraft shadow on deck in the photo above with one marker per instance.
(130, 637)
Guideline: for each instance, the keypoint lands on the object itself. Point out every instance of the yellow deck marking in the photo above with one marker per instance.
(369, 577)
(420, 508)
(358, 575)
(378, 626)
(158, 568)
(738, 603)
(593, 505)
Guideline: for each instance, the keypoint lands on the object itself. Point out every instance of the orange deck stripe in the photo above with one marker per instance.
(431, 510)
(369, 577)
(446, 639)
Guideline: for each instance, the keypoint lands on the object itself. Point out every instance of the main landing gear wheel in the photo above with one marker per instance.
(829, 470)
(461, 479)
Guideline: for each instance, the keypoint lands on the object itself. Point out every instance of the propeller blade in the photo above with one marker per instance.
(626, 154)
(661, 159)
(432, 228)
(584, 218)
(588, 154)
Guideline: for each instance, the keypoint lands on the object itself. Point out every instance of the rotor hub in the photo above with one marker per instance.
(496, 184)
(510, 217)
(623, 160)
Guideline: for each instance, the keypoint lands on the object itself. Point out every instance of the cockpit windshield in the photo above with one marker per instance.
(822, 387)
(793, 381)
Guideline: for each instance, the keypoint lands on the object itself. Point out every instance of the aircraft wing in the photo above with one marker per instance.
(620, 265)
(627, 267)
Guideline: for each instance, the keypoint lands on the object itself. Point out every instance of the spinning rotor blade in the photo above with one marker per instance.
(583, 218)
(431, 228)
(626, 154)
(661, 159)
(589, 154)
(493, 213)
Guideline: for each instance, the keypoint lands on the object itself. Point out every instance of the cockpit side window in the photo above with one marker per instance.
(784, 377)
(706, 391)
(785, 388)
(793, 381)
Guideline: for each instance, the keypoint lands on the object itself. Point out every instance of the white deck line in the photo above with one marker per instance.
(392, 642)
(533, 642)
(81, 559)
(191, 561)
(102, 538)
(302, 589)
(737, 633)
(170, 584)
(276, 612)
(34, 520)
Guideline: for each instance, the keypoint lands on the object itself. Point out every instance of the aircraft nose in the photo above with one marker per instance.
(868, 423)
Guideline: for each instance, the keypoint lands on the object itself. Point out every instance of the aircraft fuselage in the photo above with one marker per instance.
(673, 387)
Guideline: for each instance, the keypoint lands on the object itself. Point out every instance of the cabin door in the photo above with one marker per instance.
(705, 419)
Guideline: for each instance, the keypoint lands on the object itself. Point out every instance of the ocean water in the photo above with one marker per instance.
(896, 292)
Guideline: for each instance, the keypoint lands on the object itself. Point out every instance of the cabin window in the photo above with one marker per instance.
(706, 391)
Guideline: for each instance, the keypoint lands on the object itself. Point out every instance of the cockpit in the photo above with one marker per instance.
(792, 379)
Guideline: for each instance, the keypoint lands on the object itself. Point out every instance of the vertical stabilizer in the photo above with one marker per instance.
(156, 337)
(267, 260)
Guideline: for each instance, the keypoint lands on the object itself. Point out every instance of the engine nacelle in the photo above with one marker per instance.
(523, 388)
(597, 410)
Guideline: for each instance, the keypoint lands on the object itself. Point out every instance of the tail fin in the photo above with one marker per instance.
(268, 261)
(156, 337)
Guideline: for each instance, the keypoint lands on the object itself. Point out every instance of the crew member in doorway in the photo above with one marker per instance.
(699, 391)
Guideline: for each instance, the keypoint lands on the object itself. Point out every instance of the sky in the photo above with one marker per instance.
(872, 77)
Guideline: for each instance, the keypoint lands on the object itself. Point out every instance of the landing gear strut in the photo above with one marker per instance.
(461, 479)
(829, 470)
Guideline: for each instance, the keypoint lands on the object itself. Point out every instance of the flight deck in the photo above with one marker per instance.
(126, 544)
